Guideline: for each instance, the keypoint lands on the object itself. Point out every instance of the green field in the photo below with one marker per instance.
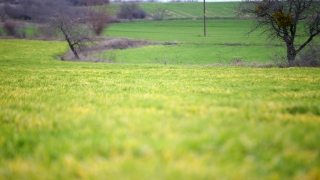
(192, 55)
(67, 120)
(193, 9)
(226, 41)
(189, 31)
(177, 10)
(187, 10)
(138, 118)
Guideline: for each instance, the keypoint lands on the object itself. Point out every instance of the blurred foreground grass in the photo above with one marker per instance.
(67, 120)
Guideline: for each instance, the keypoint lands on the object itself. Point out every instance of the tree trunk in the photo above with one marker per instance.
(73, 49)
(69, 43)
(291, 52)
(74, 52)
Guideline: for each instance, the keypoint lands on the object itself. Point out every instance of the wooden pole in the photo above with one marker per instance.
(204, 18)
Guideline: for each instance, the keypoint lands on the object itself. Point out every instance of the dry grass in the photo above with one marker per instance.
(104, 44)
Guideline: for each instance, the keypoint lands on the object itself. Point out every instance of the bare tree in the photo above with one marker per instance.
(291, 21)
(76, 31)
(97, 18)
(79, 25)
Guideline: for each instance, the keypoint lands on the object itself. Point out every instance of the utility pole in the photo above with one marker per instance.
(204, 18)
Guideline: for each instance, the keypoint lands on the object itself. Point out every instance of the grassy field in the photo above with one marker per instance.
(186, 10)
(227, 37)
(226, 41)
(192, 55)
(72, 120)
(193, 9)
(189, 31)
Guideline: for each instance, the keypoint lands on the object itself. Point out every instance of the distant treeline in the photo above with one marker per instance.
(71, 2)
(40, 11)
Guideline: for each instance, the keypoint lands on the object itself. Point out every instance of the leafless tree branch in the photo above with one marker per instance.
(286, 20)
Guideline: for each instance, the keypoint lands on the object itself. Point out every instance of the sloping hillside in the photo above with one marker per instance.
(190, 10)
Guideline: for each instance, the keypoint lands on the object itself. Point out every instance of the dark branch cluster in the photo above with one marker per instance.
(283, 20)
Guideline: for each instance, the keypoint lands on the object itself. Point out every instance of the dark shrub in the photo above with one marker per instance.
(139, 14)
(87, 2)
(310, 57)
(131, 11)
(15, 29)
(10, 28)
(45, 32)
